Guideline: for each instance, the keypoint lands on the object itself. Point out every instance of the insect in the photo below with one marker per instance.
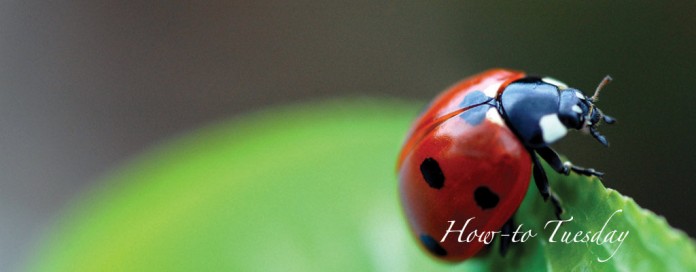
(473, 151)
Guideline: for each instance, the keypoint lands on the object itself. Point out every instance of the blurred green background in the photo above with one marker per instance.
(87, 85)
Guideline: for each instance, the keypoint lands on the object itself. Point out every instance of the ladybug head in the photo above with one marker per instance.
(578, 111)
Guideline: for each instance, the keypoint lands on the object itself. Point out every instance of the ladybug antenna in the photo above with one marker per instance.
(595, 96)
(601, 85)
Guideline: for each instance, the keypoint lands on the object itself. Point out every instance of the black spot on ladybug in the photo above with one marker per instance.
(485, 198)
(432, 173)
(432, 245)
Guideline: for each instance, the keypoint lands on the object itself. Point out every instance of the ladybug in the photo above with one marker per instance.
(472, 152)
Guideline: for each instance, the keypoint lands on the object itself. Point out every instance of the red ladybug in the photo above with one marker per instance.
(471, 154)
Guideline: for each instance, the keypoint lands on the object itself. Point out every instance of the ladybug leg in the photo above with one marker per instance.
(552, 158)
(584, 171)
(506, 236)
(542, 182)
(598, 136)
(557, 209)
(540, 179)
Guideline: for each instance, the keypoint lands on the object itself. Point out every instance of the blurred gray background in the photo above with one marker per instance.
(85, 86)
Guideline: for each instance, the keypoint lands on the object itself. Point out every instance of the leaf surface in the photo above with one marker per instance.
(313, 188)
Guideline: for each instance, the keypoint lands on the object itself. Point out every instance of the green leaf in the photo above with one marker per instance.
(313, 188)
(650, 243)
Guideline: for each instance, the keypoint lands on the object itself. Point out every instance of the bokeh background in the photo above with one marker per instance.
(86, 85)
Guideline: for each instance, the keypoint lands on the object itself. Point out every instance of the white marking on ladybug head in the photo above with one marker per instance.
(492, 90)
(580, 95)
(551, 128)
(494, 117)
(577, 109)
(555, 82)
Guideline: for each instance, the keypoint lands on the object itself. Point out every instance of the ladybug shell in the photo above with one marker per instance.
(454, 167)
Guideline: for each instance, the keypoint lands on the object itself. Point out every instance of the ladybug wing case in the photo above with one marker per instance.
(460, 167)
